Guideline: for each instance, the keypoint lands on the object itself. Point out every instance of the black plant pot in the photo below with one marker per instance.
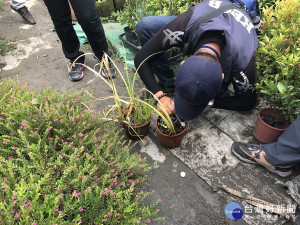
(131, 36)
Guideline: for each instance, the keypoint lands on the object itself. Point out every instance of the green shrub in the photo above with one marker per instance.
(278, 58)
(61, 164)
(168, 8)
(135, 10)
(265, 3)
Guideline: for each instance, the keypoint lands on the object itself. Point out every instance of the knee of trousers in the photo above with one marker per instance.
(64, 23)
(144, 30)
(90, 22)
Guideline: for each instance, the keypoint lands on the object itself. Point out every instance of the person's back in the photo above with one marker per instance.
(223, 37)
(236, 27)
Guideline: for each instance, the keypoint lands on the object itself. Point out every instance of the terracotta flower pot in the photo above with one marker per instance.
(173, 140)
(137, 132)
(266, 133)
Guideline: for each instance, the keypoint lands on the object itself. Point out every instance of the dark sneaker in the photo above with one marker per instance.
(25, 14)
(76, 72)
(107, 73)
(254, 154)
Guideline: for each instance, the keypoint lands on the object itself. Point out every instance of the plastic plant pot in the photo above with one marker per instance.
(266, 133)
(137, 132)
(171, 141)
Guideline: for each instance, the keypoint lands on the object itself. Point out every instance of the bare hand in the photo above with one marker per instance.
(168, 104)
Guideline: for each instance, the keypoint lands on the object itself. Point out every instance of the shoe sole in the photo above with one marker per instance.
(243, 159)
(279, 173)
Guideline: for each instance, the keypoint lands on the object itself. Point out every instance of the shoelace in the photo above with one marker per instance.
(257, 154)
(257, 148)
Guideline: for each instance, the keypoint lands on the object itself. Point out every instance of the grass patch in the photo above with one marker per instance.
(2, 3)
(5, 46)
(87, 46)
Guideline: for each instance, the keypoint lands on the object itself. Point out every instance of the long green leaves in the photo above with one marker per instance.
(130, 102)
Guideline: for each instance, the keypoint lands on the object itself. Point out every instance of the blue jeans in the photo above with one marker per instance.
(87, 17)
(286, 150)
(146, 29)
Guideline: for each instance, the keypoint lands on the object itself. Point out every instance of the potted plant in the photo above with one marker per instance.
(129, 109)
(170, 128)
(270, 124)
(171, 135)
(137, 116)
(278, 67)
(131, 36)
(135, 112)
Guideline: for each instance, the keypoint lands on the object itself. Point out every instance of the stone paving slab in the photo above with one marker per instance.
(239, 126)
(216, 115)
(206, 150)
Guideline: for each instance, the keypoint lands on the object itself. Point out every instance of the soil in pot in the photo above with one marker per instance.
(273, 121)
(166, 137)
(164, 129)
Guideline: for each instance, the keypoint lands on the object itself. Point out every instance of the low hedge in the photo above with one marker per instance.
(61, 163)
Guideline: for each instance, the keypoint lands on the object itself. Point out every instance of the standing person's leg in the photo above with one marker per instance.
(146, 29)
(89, 20)
(286, 150)
(19, 7)
(61, 16)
